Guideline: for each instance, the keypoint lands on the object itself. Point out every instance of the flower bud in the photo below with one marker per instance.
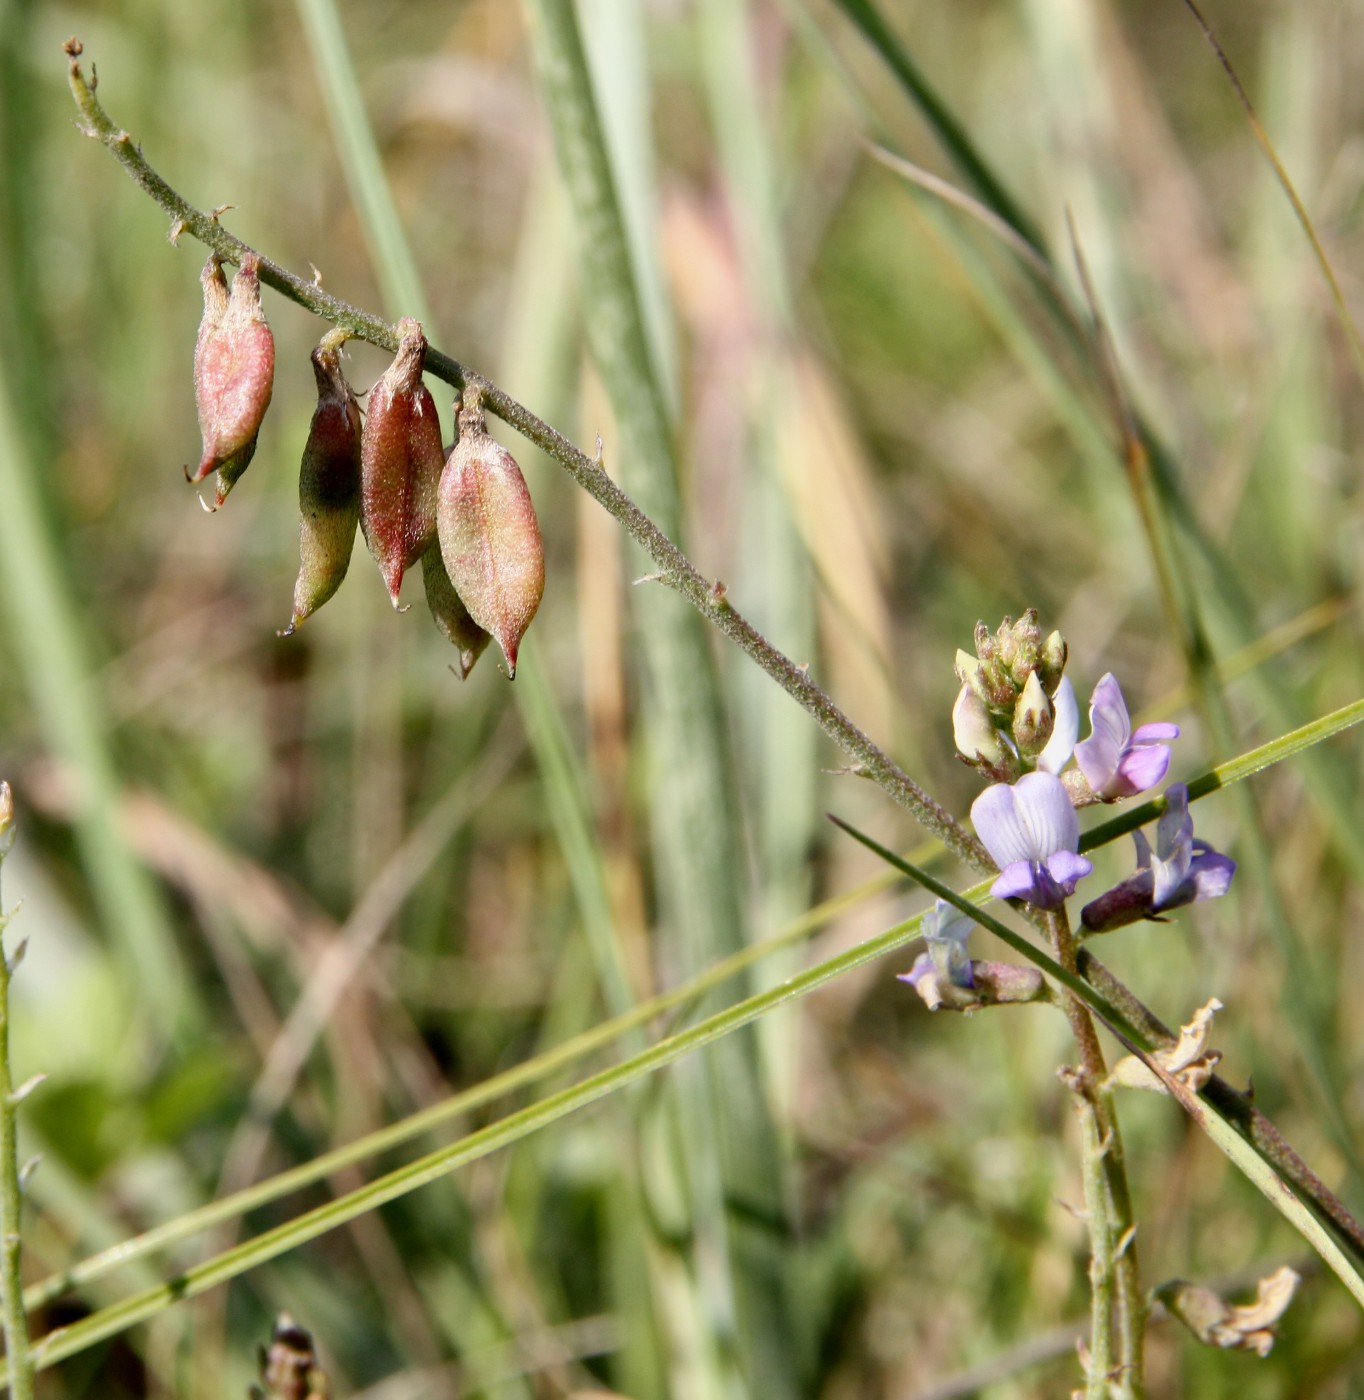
(234, 372)
(1052, 664)
(6, 812)
(489, 537)
(328, 484)
(1020, 646)
(975, 735)
(1033, 718)
(449, 612)
(400, 462)
(974, 674)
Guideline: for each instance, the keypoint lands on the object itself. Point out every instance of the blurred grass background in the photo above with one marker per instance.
(882, 438)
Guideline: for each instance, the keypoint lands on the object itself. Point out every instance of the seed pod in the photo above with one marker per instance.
(449, 612)
(328, 484)
(400, 462)
(234, 372)
(489, 537)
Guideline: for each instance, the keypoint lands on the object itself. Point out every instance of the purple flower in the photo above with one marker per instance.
(945, 929)
(1180, 871)
(1117, 762)
(1032, 832)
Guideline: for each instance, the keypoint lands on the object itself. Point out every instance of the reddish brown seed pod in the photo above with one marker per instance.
(328, 484)
(449, 612)
(400, 462)
(489, 537)
(234, 372)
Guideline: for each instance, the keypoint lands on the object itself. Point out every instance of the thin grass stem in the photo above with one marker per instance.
(11, 1191)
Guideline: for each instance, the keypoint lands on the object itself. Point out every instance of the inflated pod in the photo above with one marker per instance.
(400, 462)
(328, 484)
(449, 612)
(489, 537)
(234, 372)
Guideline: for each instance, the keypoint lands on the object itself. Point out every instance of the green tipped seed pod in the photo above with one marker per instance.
(234, 372)
(400, 462)
(449, 612)
(489, 537)
(328, 484)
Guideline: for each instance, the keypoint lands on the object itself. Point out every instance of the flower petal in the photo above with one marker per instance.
(1210, 872)
(923, 965)
(1018, 880)
(1067, 869)
(1029, 820)
(1160, 733)
(1138, 770)
(1065, 729)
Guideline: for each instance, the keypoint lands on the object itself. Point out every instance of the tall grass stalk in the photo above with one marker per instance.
(17, 1355)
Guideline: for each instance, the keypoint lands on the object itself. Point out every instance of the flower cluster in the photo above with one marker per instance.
(1028, 820)
(465, 512)
(1016, 721)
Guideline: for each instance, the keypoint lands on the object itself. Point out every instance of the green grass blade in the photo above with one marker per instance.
(959, 146)
(676, 1001)
(1299, 742)
(389, 249)
(697, 838)
(271, 1244)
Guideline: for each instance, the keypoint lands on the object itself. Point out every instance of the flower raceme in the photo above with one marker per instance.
(1033, 834)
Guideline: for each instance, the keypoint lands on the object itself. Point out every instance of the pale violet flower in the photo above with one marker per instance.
(1179, 871)
(945, 929)
(1116, 761)
(1033, 834)
(1065, 729)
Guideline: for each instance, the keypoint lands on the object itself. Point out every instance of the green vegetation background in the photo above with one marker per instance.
(882, 439)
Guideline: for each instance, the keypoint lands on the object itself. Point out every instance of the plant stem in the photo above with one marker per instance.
(1114, 1279)
(674, 569)
(11, 1262)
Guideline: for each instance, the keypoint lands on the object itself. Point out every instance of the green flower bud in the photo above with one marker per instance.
(489, 537)
(400, 462)
(328, 484)
(234, 372)
(449, 612)
(1034, 718)
(1020, 646)
(6, 813)
(1052, 665)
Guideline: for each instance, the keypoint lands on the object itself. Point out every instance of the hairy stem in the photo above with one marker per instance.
(675, 570)
(11, 1194)
(1114, 1280)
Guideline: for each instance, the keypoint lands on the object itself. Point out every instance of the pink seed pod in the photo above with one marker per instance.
(328, 484)
(400, 462)
(489, 537)
(234, 372)
(449, 612)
